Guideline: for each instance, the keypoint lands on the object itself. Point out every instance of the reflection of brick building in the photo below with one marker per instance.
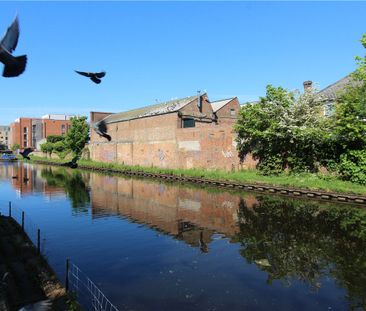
(186, 133)
(27, 132)
(189, 214)
(26, 179)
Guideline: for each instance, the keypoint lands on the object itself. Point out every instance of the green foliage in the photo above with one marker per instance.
(361, 61)
(73, 184)
(54, 138)
(306, 241)
(59, 146)
(15, 147)
(284, 130)
(47, 147)
(353, 166)
(78, 135)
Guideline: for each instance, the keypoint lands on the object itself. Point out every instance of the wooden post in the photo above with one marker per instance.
(67, 274)
(23, 220)
(9, 209)
(39, 241)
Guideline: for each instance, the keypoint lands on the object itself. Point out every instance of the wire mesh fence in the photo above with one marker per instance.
(33, 232)
(87, 293)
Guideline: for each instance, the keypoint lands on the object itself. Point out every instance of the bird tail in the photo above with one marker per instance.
(15, 68)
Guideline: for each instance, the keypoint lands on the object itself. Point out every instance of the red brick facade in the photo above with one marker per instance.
(162, 141)
(21, 131)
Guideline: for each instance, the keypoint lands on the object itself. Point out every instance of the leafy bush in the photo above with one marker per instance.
(284, 130)
(47, 147)
(55, 138)
(353, 166)
(59, 146)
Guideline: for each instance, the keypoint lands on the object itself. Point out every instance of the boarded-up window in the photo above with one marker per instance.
(189, 123)
(232, 112)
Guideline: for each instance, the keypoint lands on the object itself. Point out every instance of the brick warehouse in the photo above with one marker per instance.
(191, 132)
(28, 132)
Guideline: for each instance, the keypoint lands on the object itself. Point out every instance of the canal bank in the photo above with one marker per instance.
(26, 276)
(315, 188)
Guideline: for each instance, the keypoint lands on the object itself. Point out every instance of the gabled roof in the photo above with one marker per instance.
(332, 91)
(218, 104)
(153, 110)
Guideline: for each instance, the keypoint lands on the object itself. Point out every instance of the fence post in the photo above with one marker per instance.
(9, 208)
(39, 241)
(67, 274)
(23, 220)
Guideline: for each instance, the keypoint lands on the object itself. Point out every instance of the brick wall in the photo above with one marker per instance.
(160, 141)
(228, 114)
(48, 127)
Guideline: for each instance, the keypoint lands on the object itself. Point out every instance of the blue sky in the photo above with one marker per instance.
(162, 50)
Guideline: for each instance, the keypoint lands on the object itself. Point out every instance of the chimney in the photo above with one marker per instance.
(308, 86)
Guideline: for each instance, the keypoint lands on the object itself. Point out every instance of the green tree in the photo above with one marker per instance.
(55, 138)
(283, 130)
(47, 147)
(361, 61)
(78, 135)
(348, 126)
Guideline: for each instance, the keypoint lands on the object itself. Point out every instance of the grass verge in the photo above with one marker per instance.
(321, 182)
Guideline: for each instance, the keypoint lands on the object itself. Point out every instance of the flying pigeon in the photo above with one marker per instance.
(26, 153)
(13, 66)
(101, 129)
(73, 163)
(94, 76)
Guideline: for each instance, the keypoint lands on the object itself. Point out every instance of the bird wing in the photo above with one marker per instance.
(100, 74)
(27, 151)
(102, 127)
(10, 39)
(85, 74)
(95, 80)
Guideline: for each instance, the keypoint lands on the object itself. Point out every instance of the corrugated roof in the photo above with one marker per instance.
(332, 91)
(162, 108)
(218, 104)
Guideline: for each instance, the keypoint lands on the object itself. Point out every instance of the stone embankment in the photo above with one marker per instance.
(287, 191)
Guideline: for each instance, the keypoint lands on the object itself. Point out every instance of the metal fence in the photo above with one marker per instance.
(87, 293)
(28, 226)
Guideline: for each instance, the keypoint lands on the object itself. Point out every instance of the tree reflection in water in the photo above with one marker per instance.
(306, 241)
(73, 184)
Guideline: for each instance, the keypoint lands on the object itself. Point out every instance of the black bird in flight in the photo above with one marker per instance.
(94, 76)
(13, 66)
(101, 129)
(26, 152)
(73, 163)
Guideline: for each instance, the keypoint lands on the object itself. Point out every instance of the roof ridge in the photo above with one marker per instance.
(219, 100)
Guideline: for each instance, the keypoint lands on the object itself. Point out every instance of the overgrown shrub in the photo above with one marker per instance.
(352, 166)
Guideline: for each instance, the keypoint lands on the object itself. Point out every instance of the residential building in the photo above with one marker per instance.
(4, 136)
(330, 93)
(27, 132)
(191, 132)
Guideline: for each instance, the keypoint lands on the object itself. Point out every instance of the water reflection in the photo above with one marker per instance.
(222, 250)
(191, 214)
(72, 182)
(307, 241)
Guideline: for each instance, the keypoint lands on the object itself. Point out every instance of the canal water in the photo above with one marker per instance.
(153, 245)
